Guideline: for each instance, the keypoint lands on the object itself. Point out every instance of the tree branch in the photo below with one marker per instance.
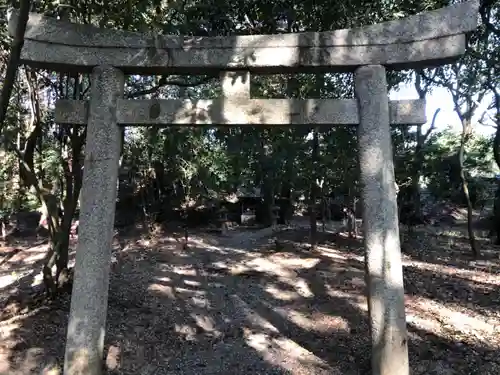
(433, 125)
(13, 64)
(484, 11)
(164, 82)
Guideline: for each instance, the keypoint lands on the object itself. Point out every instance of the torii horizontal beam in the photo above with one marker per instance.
(241, 112)
(426, 39)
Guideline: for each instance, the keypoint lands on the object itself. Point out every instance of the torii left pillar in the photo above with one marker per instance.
(89, 301)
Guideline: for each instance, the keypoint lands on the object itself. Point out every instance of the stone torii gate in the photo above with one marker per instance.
(428, 39)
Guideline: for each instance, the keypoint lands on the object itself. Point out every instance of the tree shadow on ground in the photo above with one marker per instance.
(452, 289)
(215, 310)
(452, 250)
(19, 269)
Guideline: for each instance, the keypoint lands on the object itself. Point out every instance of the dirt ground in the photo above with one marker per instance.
(248, 304)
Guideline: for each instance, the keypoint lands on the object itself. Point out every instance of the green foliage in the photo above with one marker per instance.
(441, 166)
(202, 162)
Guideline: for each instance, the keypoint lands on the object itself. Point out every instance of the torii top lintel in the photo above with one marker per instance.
(426, 39)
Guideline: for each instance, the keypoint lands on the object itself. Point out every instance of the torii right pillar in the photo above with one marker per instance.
(384, 275)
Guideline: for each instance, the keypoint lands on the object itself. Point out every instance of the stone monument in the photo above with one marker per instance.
(424, 40)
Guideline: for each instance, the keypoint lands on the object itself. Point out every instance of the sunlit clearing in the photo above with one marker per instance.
(189, 292)
(188, 332)
(7, 280)
(169, 239)
(358, 282)
(283, 352)
(468, 275)
(221, 250)
(166, 290)
(221, 265)
(303, 288)
(331, 253)
(33, 258)
(144, 242)
(164, 279)
(356, 300)
(192, 283)
(316, 321)
(51, 370)
(205, 245)
(294, 262)
(12, 279)
(204, 322)
(255, 319)
(184, 271)
(280, 294)
(4, 362)
(339, 255)
(439, 318)
(199, 301)
(273, 267)
(6, 331)
(29, 363)
(113, 357)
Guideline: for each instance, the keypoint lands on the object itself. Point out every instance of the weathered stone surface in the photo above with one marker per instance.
(421, 40)
(86, 328)
(381, 227)
(242, 111)
(72, 111)
(235, 84)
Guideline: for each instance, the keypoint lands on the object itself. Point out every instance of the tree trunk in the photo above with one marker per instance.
(418, 160)
(73, 183)
(465, 111)
(422, 87)
(496, 155)
(415, 178)
(495, 225)
(73, 187)
(418, 157)
(319, 84)
(465, 189)
(314, 190)
(13, 64)
(286, 206)
(268, 193)
(50, 211)
(267, 180)
(286, 186)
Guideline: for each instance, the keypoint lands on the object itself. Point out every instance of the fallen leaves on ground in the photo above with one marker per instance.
(264, 303)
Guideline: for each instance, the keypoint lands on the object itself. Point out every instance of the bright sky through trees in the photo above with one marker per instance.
(441, 98)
